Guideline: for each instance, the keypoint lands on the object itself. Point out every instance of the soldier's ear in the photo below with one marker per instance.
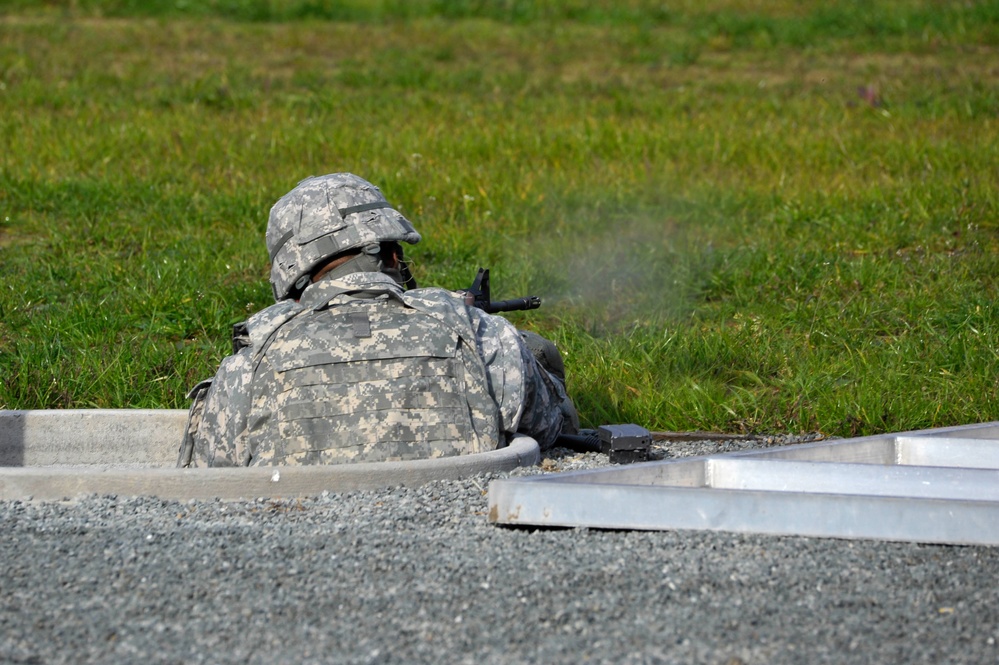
(392, 254)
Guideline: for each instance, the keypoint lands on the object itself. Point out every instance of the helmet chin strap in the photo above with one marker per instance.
(404, 276)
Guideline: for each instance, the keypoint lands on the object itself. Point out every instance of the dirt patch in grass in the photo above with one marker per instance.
(281, 54)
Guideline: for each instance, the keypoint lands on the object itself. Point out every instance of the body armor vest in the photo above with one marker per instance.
(369, 380)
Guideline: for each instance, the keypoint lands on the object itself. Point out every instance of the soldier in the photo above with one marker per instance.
(348, 366)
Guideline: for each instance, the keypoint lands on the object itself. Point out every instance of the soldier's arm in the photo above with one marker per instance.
(542, 417)
(219, 438)
(527, 396)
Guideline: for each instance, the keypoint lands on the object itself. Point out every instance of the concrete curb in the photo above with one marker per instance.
(146, 437)
(53, 455)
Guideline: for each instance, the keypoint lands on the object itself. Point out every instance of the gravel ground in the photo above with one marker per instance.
(418, 575)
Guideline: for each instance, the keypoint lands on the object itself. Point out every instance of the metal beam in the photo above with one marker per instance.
(934, 486)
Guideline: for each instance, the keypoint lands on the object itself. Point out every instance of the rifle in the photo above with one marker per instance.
(623, 444)
(478, 295)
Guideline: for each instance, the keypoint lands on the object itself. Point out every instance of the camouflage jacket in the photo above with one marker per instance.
(360, 370)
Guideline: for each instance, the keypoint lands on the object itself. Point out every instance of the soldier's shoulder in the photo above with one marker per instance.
(440, 303)
(435, 297)
(260, 326)
(473, 323)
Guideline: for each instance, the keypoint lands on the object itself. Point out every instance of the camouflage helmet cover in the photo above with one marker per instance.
(325, 216)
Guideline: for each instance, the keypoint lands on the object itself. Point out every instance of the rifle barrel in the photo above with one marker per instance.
(530, 302)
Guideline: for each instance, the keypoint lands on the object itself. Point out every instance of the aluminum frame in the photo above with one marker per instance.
(930, 486)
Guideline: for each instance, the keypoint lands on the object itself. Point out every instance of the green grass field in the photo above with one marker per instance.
(743, 216)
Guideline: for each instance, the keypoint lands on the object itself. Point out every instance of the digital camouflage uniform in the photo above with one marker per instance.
(353, 368)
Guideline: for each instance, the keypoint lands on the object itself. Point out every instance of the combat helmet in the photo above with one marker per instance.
(325, 216)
